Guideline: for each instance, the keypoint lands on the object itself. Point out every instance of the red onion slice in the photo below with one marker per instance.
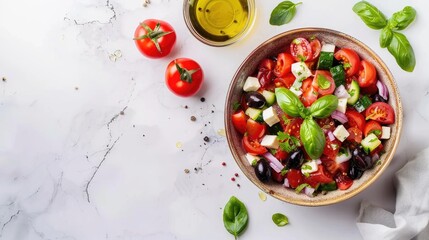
(339, 116)
(278, 166)
(382, 90)
(331, 136)
(286, 183)
(309, 191)
(341, 92)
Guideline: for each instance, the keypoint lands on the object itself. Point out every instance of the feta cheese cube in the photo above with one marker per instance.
(252, 158)
(251, 84)
(300, 71)
(328, 48)
(309, 167)
(341, 133)
(385, 132)
(270, 141)
(342, 105)
(270, 116)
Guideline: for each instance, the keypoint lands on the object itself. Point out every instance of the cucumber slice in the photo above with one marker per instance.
(363, 103)
(354, 91)
(255, 114)
(325, 60)
(331, 186)
(338, 74)
(269, 96)
(370, 142)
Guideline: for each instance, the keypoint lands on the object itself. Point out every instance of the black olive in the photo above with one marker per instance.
(354, 171)
(295, 159)
(378, 98)
(362, 160)
(255, 100)
(262, 170)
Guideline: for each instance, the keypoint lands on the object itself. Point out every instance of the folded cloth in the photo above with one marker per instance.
(411, 217)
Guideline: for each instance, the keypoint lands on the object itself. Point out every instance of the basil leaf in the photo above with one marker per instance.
(324, 106)
(386, 36)
(402, 19)
(312, 138)
(289, 102)
(280, 219)
(283, 13)
(235, 216)
(370, 15)
(401, 49)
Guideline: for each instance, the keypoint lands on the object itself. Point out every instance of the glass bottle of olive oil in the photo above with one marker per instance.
(219, 20)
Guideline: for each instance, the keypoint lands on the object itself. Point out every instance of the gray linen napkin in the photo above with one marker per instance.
(411, 217)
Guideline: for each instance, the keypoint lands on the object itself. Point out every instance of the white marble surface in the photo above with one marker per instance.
(94, 146)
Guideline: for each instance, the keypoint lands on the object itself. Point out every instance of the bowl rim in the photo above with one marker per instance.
(388, 155)
(240, 35)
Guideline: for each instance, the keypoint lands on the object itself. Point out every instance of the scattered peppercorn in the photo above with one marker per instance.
(3, 79)
(193, 118)
(233, 179)
(203, 99)
(187, 171)
(236, 174)
(206, 139)
(238, 185)
(223, 163)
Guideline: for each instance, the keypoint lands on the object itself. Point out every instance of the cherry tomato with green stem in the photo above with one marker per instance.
(184, 77)
(154, 38)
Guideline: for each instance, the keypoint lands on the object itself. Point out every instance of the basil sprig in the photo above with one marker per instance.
(283, 13)
(311, 134)
(235, 216)
(397, 43)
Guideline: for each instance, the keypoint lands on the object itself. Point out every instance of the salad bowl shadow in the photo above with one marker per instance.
(278, 44)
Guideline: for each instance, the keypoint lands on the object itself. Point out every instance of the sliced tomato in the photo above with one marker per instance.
(355, 119)
(265, 77)
(350, 60)
(380, 112)
(254, 129)
(309, 96)
(343, 181)
(323, 82)
(278, 177)
(295, 177)
(316, 47)
(367, 74)
(370, 90)
(253, 146)
(327, 124)
(293, 127)
(283, 64)
(239, 120)
(334, 168)
(377, 150)
(286, 81)
(267, 64)
(281, 155)
(355, 134)
(320, 176)
(300, 49)
(331, 148)
(372, 127)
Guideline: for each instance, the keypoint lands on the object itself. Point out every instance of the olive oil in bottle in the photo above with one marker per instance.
(219, 20)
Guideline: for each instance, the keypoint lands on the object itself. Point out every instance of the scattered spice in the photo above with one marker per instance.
(238, 185)
(236, 174)
(262, 196)
(179, 145)
(187, 171)
(202, 99)
(233, 179)
(122, 113)
(223, 163)
(76, 88)
(206, 139)
(4, 79)
(193, 118)
(186, 106)
(221, 132)
(146, 3)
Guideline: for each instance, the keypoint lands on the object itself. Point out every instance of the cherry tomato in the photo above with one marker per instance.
(333, 167)
(301, 50)
(154, 38)
(350, 60)
(184, 77)
(281, 155)
(278, 177)
(285, 81)
(355, 119)
(355, 134)
(316, 47)
(372, 127)
(327, 124)
(254, 129)
(267, 64)
(320, 176)
(331, 148)
(295, 177)
(323, 82)
(239, 120)
(265, 77)
(253, 146)
(283, 64)
(367, 74)
(293, 127)
(343, 181)
(309, 96)
(380, 112)
(370, 90)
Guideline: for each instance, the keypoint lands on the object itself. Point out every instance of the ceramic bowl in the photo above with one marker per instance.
(272, 47)
(220, 15)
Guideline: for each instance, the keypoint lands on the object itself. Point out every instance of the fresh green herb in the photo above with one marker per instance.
(344, 151)
(402, 19)
(370, 15)
(328, 186)
(283, 13)
(352, 92)
(301, 187)
(324, 106)
(235, 216)
(280, 219)
(376, 132)
(236, 106)
(397, 43)
(323, 82)
(373, 140)
(286, 120)
(378, 163)
(347, 65)
(284, 171)
(312, 138)
(287, 142)
(306, 167)
(289, 102)
(254, 162)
